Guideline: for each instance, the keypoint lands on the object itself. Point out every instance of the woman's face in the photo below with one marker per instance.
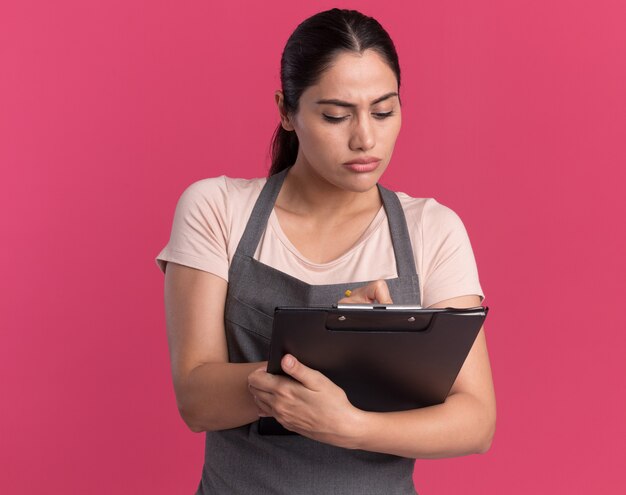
(352, 113)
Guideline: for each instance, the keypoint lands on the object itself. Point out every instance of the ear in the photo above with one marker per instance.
(285, 119)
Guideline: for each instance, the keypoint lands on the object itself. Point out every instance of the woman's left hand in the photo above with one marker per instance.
(305, 402)
(374, 292)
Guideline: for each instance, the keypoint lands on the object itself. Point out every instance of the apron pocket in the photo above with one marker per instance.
(248, 332)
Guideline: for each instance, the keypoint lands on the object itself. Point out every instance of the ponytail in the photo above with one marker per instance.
(284, 149)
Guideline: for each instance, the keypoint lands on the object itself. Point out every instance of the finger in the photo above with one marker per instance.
(262, 403)
(262, 380)
(376, 291)
(308, 377)
(379, 291)
(357, 296)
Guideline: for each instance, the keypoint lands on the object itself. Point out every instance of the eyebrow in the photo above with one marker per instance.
(341, 103)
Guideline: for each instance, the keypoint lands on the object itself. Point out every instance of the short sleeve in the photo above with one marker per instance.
(449, 265)
(199, 231)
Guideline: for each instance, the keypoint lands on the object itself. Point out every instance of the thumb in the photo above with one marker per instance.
(298, 371)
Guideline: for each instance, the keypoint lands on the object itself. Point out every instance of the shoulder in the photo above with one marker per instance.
(209, 218)
(222, 188)
(217, 201)
(445, 259)
(428, 215)
(218, 196)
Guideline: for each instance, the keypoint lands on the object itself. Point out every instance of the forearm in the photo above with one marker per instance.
(215, 396)
(460, 426)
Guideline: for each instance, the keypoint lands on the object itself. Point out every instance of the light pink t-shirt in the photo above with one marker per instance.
(211, 216)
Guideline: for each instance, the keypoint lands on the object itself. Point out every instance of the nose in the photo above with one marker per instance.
(362, 136)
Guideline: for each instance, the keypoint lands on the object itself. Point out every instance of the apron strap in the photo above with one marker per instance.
(260, 215)
(402, 248)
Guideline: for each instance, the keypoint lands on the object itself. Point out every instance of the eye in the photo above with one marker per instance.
(384, 115)
(333, 120)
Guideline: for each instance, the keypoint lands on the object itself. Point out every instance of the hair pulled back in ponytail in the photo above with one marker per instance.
(309, 51)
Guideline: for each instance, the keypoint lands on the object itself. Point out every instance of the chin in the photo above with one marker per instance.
(362, 182)
(350, 181)
(359, 184)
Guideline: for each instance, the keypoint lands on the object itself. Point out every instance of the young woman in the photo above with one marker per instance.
(318, 226)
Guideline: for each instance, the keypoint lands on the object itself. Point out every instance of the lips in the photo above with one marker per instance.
(362, 165)
(363, 160)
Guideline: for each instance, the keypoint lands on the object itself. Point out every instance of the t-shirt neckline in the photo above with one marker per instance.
(371, 228)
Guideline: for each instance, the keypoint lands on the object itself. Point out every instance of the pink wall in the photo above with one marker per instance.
(514, 115)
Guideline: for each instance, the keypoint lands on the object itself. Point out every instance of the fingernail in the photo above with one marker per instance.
(289, 362)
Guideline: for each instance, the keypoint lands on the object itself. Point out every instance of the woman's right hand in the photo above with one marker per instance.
(374, 292)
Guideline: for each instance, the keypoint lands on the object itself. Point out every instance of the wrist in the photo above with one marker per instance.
(356, 428)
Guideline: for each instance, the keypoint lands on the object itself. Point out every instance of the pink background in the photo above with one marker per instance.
(514, 115)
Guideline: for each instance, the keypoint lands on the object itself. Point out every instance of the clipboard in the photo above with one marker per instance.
(385, 357)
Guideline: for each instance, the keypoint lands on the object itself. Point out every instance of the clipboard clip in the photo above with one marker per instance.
(349, 320)
(387, 307)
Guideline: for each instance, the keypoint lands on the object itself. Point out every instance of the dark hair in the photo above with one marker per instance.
(309, 51)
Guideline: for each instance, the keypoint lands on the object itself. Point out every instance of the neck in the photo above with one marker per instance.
(306, 193)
